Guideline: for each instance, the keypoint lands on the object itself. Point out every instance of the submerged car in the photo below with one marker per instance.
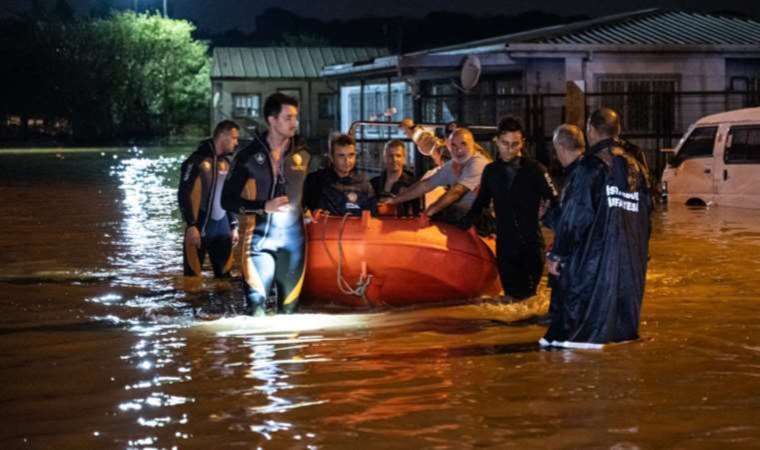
(717, 162)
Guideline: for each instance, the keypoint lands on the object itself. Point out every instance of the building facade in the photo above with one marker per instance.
(243, 77)
(660, 69)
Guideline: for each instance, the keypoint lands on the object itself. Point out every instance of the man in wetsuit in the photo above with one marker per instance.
(517, 185)
(339, 189)
(462, 173)
(210, 229)
(265, 188)
(601, 244)
(395, 179)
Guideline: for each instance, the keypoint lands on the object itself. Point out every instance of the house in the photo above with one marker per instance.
(661, 69)
(243, 77)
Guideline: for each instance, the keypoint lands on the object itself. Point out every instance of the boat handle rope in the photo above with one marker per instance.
(364, 278)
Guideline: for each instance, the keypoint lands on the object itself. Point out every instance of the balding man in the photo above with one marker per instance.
(462, 173)
(569, 146)
(601, 243)
(517, 186)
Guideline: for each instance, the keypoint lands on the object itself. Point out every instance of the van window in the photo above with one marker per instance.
(699, 144)
(743, 145)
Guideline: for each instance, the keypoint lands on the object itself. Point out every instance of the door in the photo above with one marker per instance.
(690, 174)
(738, 177)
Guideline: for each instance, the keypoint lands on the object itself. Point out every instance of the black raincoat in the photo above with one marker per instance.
(601, 242)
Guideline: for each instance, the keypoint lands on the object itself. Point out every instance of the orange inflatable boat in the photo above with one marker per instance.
(370, 262)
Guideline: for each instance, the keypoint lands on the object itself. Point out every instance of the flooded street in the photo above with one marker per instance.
(102, 344)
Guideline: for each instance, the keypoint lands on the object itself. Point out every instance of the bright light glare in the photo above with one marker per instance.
(242, 325)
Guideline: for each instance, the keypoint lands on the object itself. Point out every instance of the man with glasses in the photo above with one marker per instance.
(518, 186)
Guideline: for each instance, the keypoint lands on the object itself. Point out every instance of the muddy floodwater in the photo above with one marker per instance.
(103, 346)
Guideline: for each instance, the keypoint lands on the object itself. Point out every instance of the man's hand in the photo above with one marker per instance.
(387, 201)
(193, 236)
(423, 220)
(277, 204)
(235, 236)
(553, 267)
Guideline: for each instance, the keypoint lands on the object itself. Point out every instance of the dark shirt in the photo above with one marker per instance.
(406, 180)
(516, 188)
(325, 190)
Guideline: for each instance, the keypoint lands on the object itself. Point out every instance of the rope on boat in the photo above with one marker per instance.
(364, 278)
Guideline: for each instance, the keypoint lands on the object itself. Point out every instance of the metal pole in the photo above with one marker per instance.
(165, 16)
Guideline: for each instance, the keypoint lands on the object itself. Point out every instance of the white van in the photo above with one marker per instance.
(717, 162)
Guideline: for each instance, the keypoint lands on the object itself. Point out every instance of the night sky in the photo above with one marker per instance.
(220, 15)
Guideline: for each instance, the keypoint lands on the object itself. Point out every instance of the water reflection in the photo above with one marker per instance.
(149, 232)
(105, 346)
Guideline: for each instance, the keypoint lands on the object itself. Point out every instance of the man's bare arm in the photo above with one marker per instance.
(449, 198)
(417, 190)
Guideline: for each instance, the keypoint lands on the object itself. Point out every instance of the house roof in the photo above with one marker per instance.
(284, 62)
(645, 30)
(645, 27)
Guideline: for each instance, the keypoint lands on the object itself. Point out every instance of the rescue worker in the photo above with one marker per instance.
(339, 189)
(396, 179)
(518, 186)
(265, 188)
(210, 229)
(601, 244)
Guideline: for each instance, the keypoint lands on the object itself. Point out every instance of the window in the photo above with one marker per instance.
(327, 106)
(743, 145)
(246, 105)
(643, 101)
(699, 144)
(375, 106)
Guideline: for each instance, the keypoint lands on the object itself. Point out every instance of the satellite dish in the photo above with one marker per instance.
(470, 72)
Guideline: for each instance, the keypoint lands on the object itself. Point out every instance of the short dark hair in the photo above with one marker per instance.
(341, 140)
(509, 125)
(225, 126)
(606, 122)
(393, 143)
(273, 104)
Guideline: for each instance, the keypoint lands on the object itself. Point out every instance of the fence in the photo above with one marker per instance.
(651, 120)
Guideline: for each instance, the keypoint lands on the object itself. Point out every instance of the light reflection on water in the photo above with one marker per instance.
(105, 346)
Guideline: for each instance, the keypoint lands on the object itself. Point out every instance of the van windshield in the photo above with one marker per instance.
(699, 144)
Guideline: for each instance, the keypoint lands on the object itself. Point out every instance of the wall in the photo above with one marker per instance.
(310, 125)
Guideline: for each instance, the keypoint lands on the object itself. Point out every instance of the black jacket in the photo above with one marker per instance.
(516, 187)
(252, 182)
(325, 190)
(406, 180)
(197, 184)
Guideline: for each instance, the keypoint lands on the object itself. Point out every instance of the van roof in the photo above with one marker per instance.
(737, 115)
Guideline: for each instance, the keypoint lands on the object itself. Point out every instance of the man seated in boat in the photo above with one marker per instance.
(395, 179)
(339, 189)
(462, 173)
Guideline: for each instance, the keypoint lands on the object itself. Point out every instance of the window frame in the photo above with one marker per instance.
(258, 112)
(729, 145)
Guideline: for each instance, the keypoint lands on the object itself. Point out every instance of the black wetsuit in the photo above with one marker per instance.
(516, 188)
(410, 208)
(273, 244)
(325, 190)
(201, 177)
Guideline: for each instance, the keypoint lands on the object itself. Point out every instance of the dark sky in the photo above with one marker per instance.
(220, 15)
